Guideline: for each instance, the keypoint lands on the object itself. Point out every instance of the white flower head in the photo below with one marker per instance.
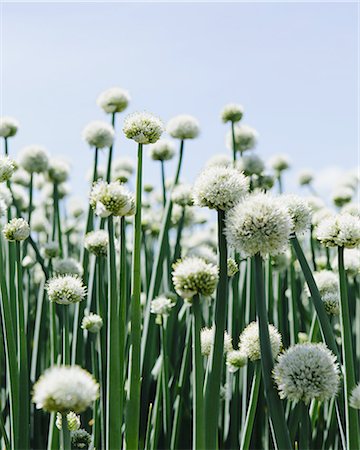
(72, 419)
(98, 134)
(7, 168)
(3, 208)
(67, 266)
(235, 359)
(352, 209)
(21, 177)
(96, 242)
(111, 199)
(306, 372)
(279, 163)
(328, 285)
(351, 261)
(341, 230)
(299, 210)
(258, 224)
(245, 138)
(207, 337)
(113, 100)
(220, 188)
(162, 305)
(65, 388)
(204, 252)
(34, 159)
(221, 159)
(193, 276)
(183, 127)
(162, 150)
(319, 215)
(143, 127)
(5, 195)
(232, 267)
(16, 230)
(92, 322)
(8, 127)
(342, 195)
(58, 170)
(51, 249)
(65, 289)
(251, 164)
(355, 397)
(182, 195)
(249, 341)
(232, 112)
(124, 163)
(305, 177)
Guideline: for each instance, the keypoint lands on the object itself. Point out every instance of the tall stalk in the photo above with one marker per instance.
(250, 415)
(111, 149)
(133, 408)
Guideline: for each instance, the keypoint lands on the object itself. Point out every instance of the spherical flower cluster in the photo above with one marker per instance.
(341, 230)
(245, 138)
(183, 127)
(235, 359)
(279, 163)
(207, 337)
(67, 266)
(221, 159)
(162, 305)
(8, 127)
(113, 100)
(21, 177)
(16, 230)
(5, 195)
(72, 419)
(125, 164)
(352, 209)
(259, 224)
(232, 113)
(80, 439)
(193, 276)
(7, 168)
(98, 134)
(65, 289)
(299, 211)
(351, 261)
(182, 195)
(305, 177)
(328, 284)
(320, 215)
(342, 195)
(232, 267)
(96, 242)
(65, 388)
(51, 249)
(355, 397)
(251, 165)
(92, 322)
(143, 127)
(162, 150)
(204, 252)
(220, 188)
(111, 198)
(177, 213)
(306, 372)
(58, 170)
(249, 341)
(34, 159)
(315, 203)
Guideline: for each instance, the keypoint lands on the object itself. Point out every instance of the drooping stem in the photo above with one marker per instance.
(133, 410)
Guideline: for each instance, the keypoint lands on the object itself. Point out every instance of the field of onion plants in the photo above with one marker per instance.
(133, 320)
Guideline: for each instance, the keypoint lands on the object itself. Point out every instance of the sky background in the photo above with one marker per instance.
(294, 68)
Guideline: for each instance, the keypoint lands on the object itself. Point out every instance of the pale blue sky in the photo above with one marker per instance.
(293, 67)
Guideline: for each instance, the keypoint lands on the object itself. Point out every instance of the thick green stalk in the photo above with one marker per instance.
(233, 142)
(165, 382)
(304, 435)
(198, 380)
(6, 147)
(24, 399)
(280, 431)
(65, 335)
(351, 415)
(65, 434)
(133, 409)
(213, 381)
(113, 419)
(250, 415)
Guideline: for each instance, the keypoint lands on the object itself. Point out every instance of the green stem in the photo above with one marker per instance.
(233, 142)
(108, 172)
(304, 435)
(6, 147)
(133, 411)
(65, 434)
(280, 431)
(213, 381)
(165, 382)
(163, 182)
(351, 416)
(198, 380)
(65, 331)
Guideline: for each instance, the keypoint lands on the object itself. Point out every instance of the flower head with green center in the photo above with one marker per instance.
(143, 127)
(98, 134)
(110, 199)
(220, 188)
(72, 419)
(182, 195)
(306, 372)
(245, 138)
(51, 249)
(251, 165)
(258, 224)
(279, 163)
(249, 341)
(232, 112)
(113, 100)
(352, 209)
(96, 242)
(162, 150)
(16, 230)
(299, 210)
(80, 439)
(67, 266)
(163, 304)
(341, 230)
(232, 267)
(235, 359)
(34, 159)
(342, 195)
(183, 127)
(7, 168)
(58, 170)
(65, 289)
(207, 337)
(92, 322)
(192, 276)
(124, 163)
(305, 177)
(355, 397)
(65, 388)
(8, 127)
